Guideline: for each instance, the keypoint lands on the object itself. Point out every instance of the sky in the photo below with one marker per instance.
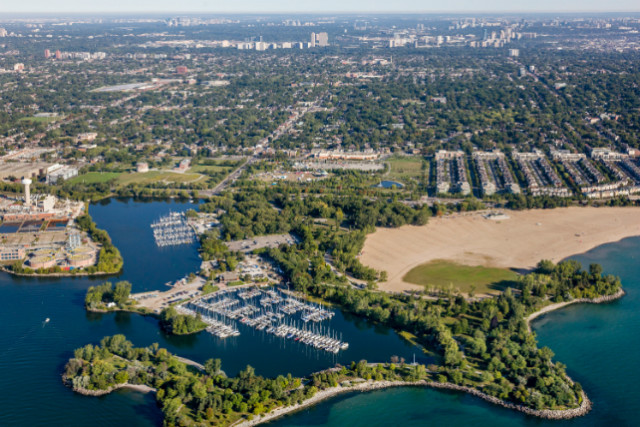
(284, 6)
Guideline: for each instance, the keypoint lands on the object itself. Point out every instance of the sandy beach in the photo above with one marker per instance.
(518, 242)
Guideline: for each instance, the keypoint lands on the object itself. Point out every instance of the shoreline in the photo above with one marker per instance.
(96, 393)
(558, 305)
(38, 275)
(364, 386)
(368, 386)
(123, 310)
(153, 314)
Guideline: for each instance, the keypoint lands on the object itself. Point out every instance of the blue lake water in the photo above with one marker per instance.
(146, 266)
(33, 354)
(600, 344)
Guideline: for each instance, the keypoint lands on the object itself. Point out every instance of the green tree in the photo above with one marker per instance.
(213, 366)
(121, 293)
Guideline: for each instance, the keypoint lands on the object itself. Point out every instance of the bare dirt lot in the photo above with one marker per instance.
(518, 242)
(258, 242)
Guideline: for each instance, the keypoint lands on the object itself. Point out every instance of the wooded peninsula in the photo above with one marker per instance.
(483, 347)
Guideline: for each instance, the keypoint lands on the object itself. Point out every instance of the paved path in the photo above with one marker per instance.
(190, 363)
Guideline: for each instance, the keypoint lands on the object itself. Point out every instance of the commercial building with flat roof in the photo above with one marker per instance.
(62, 173)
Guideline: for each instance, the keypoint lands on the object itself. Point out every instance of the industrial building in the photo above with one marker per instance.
(60, 173)
(39, 229)
(11, 254)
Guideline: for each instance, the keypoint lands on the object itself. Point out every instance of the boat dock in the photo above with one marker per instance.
(173, 230)
(216, 327)
(309, 337)
(273, 311)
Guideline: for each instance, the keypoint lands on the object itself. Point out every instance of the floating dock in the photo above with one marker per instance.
(272, 311)
(216, 327)
(173, 230)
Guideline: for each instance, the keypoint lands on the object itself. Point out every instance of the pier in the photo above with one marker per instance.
(173, 230)
(216, 327)
(273, 311)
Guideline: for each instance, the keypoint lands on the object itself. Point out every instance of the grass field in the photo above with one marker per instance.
(94, 177)
(403, 168)
(35, 119)
(136, 178)
(151, 177)
(206, 169)
(442, 274)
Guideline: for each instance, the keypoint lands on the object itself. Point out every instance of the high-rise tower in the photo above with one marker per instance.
(27, 192)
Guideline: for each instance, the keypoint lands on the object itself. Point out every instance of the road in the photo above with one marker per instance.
(229, 178)
(281, 130)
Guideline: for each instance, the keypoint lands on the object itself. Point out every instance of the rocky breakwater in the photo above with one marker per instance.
(369, 385)
(319, 397)
(550, 414)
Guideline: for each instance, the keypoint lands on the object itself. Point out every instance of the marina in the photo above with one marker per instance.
(216, 327)
(173, 230)
(272, 311)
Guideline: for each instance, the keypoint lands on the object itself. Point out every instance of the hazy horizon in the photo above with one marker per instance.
(328, 6)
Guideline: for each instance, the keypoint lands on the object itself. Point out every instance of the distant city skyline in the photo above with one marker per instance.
(328, 6)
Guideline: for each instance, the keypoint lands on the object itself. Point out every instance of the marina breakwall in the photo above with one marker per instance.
(551, 414)
(366, 386)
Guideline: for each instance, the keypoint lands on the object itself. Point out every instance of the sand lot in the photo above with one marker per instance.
(518, 242)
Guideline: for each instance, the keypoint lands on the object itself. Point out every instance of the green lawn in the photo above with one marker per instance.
(94, 177)
(156, 176)
(441, 274)
(135, 177)
(403, 168)
(35, 119)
